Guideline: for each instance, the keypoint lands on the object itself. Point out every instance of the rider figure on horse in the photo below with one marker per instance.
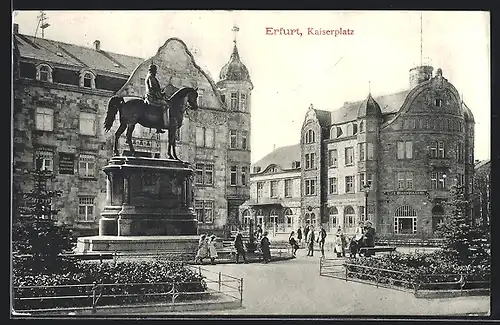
(154, 94)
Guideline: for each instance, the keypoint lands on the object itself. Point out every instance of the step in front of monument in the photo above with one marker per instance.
(151, 244)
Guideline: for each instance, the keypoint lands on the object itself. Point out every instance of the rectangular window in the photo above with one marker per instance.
(409, 180)
(471, 156)
(332, 185)
(233, 175)
(86, 165)
(369, 178)
(260, 188)
(349, 156)
(361, 181)
(244, 135)
(308, 162)
(223, 99)
(441, 149)
(234, 101)
(209, 137)
(332, 157)
(438, 102)
(362, 151)
(200, 136)
(243, 102)
(433, 180)
(244, 171)
(87, 123)
(349, 184)
(44, 119)
(312, 161)
(204, 174)
(401, 180)
(232, 140)
(460, 152)
(369, 151)
(204, 211)
(405, 225)
(310, 186)
(288, 188)
(433, 149)
(44, 160)
(274, 188)
(441, 181)
(405, 150)
(86, 211)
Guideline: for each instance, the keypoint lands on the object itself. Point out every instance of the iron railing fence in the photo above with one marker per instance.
(29, 299)
(399, 280)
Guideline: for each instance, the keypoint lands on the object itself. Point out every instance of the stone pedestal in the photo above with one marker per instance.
(147, 198)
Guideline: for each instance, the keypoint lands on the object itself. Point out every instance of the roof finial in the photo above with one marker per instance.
(421, 42)
(311, 106)
(235, 30)
(369, 87)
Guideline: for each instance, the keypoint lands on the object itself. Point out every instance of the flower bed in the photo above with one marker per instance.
(132, 283)
(431, 271)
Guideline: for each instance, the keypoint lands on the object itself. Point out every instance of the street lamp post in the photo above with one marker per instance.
(366, 189)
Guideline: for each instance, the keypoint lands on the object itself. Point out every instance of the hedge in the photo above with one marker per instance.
(161, 274)
(428, 269)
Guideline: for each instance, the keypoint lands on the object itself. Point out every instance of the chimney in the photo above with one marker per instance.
(16, 28)
(97, 45)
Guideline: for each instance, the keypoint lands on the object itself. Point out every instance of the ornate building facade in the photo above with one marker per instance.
(61, 92)
(390, 159)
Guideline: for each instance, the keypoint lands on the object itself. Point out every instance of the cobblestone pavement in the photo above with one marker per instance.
(294, 287)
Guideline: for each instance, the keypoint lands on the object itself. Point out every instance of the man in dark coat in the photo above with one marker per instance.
(265, 247)
(321, 240)
(154, 93)
(369, 235)
(240, 249)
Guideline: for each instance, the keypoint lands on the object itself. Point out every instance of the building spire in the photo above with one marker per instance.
(369, 87)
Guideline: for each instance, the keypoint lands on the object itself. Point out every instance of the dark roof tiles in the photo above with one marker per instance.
(282, 157)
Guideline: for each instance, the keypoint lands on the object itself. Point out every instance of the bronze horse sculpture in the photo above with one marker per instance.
(133, 110)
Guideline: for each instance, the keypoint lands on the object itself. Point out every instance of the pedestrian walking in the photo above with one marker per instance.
(339, 245)
(265, 246)
(240, 249)
(212, 249)
(293, 243)
(299, 235)
(203, 251)
(310, 241)
(321, 240)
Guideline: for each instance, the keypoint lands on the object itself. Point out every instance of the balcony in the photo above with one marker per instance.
(269, 201)
(238, 192)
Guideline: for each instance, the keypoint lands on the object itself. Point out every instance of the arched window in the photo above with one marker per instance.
(349, 216)
(273, 217)
(333, 132)
(334, 214)
(405, 220)
(44, 73)
(260, 217)
(310, 136)
(247, 216)
(437, 216)
(349, 129)
(87, 80)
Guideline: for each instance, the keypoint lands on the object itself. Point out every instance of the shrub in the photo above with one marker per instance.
(425, 268)
(160, 274)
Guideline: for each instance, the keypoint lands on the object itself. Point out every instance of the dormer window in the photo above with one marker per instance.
(349, 130)
(87, 80)
(339, 131)
(256, 169)
(354, 128)
(361, 127)
(438, 102)
(296, 164)
(44, 73)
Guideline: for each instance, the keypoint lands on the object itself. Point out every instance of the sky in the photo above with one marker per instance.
(290, 72)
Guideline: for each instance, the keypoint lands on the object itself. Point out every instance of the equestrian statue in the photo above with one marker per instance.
(155, 110)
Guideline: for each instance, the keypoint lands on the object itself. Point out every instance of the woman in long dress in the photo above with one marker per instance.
(212, 249)
(339, 243)
(202, 249)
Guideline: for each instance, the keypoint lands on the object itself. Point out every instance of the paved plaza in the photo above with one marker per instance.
(294, 287)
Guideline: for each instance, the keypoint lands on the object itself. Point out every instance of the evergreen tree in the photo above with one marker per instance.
(466, 243)
(37, 239)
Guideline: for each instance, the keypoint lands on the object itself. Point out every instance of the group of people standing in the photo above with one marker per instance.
(206, 249)
(364, 237)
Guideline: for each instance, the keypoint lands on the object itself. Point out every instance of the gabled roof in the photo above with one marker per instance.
(282, 157)
(481, 164)
(389, 103)
(51, 51)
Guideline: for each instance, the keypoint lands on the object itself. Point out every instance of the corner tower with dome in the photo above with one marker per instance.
(235, 87)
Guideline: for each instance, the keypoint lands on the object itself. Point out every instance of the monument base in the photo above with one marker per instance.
(136, 244)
